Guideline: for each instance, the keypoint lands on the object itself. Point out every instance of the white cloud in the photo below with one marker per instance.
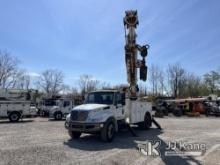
(33, 74)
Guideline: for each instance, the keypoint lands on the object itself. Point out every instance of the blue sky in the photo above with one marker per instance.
(81, 37)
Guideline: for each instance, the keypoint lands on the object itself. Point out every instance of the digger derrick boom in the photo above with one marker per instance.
(131, 53)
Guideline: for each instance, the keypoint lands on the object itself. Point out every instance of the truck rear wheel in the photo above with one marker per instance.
(165, 112)
(14, 116)
(74, 135)
(178, 112)
(58, 115)
(146, 124)
(43, 113)
(108, 131)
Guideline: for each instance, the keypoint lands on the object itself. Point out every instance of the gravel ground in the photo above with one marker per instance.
(41, 141)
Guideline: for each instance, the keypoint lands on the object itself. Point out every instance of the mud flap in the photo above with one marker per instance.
(132, 130)
(156, 123)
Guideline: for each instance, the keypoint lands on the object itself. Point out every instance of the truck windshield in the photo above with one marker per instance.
(100, 98)
(50, 102)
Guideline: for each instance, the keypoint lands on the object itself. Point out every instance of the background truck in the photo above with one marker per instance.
(45, 105)
(16, 104)
(15, 110)
(104, 112)
(61, 109)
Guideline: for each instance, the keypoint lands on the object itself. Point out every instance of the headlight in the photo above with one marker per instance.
(66, 124)
(127, 120)
(68, 118)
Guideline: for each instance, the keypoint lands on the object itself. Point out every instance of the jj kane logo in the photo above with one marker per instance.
(150, 147)
(174, 148)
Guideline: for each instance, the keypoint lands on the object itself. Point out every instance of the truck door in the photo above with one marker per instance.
(67, 106)
(3, 109)
(119, 106)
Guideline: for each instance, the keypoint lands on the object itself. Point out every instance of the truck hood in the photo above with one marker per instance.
(90, 107)
(54, 107)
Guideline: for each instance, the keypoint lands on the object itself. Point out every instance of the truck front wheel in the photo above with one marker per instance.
(108, 131)
(58, 116)
(74, 135)
(14, 116)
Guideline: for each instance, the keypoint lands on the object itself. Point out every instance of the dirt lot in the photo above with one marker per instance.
(39, 141)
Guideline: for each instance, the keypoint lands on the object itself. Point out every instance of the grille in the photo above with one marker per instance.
(79, 115)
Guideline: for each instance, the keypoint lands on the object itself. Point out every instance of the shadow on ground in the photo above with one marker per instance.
(18, 122)
(56, 120)
(124, 140)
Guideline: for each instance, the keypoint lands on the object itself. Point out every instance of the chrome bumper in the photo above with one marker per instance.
(84, 127)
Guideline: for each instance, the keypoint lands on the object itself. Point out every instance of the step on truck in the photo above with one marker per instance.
(104, 112)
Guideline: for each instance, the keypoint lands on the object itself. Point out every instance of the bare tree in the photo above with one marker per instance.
(8, 70)
(51, 81)
(120, 86)
(23, 80)
(142, 89)
(154, 73)
(157, 79)
(104, 85)
(162, 82)
(212, 80)
(74, 91)
(65, 89)
(176, 78)
(193, 85)
(87, 83)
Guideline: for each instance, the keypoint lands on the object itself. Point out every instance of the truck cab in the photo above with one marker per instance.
(61, 108)
(102, 112)
(110, 99)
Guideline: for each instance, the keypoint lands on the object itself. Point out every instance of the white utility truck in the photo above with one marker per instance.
(45, 105)
(105, 111)
(61, 109)
(16, 104)
(15, 110)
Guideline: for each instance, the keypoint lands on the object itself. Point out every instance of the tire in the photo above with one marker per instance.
(58, 116)
(108, 131)
(207, 112)
(217, 115)
(74, 135)
(14, 116)
(43, 113)
(178, 112)
(146, 124)
(165, 112)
